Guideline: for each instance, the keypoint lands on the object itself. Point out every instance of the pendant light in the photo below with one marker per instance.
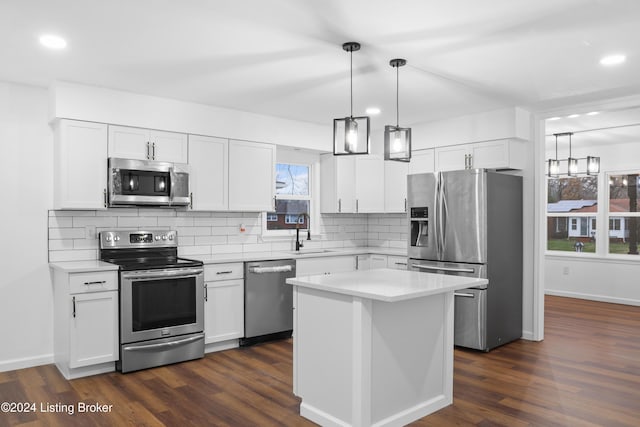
(553, 171)
(397, 140)
(351, 134)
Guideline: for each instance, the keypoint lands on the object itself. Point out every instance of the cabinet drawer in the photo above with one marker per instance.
(229, 271)
(93, 282)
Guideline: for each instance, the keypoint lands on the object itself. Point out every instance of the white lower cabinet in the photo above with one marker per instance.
(224, 303)
(325, 265)
(397, 262)
(86, 335)
(370, 261)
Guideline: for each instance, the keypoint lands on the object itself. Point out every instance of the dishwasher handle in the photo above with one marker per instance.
(275, 269)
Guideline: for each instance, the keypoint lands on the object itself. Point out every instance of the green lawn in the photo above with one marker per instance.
(568, 246)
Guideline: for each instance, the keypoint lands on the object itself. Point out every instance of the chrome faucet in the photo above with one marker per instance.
(298, 242)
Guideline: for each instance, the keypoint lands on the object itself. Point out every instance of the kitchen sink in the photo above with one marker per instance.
(311, 251)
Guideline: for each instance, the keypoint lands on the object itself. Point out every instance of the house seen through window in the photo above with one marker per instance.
(624, 220)
(293, 198)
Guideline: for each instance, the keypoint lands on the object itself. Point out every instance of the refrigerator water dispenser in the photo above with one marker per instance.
(419, 226)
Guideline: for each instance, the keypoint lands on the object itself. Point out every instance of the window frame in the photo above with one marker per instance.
(609, 216)
(312, 212)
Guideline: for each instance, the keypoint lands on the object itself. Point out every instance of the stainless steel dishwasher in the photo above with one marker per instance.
(268, 300)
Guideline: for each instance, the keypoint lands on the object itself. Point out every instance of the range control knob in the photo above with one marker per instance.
(116, 238)
(164, 237)
(108, 238)
(170, 236)
(157, 237)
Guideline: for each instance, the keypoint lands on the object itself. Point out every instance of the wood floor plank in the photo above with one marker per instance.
(586, 372)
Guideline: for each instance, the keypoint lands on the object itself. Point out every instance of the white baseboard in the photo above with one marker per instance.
(26, 362)
(528, 335)
(601, 298)
(219, 346)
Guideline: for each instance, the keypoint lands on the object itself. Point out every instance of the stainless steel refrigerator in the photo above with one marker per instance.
(469, 223)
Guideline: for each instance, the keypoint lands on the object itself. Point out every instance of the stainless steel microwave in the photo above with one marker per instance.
(147, 183)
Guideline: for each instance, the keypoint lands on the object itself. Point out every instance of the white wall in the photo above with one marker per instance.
(597, 276)
(26, 149)
(90, 103)
(497, 124)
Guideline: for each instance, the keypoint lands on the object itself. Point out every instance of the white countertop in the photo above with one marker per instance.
(96, 265)
(304, 253)
(83, 266)
(386, 284)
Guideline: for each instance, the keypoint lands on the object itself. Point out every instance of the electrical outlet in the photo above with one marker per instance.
(565, 271)
(90, 232)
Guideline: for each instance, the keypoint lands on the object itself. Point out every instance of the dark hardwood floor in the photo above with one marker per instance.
(585, 373)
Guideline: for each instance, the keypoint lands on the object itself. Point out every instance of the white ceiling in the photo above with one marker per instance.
(284, 57)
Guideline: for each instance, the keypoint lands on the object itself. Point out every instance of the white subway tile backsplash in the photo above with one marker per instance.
(138, 221)
(104, 221)
(66, 233)
(74, 255)
(211, 233)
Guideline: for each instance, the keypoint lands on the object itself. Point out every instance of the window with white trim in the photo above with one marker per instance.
(624, 218)
(293, 198)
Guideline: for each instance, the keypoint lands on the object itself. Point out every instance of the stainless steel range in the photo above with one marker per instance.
(161, 298)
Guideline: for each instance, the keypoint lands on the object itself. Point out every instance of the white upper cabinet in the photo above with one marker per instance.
(369, 184)
(450, 158)
(146, 144)
(208, 176)
(80, 165)
(498, 154)
(422, 161)
(337, 184)
(395, 186)
(252, 183)
(351, 184)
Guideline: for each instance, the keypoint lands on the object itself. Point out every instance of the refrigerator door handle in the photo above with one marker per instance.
(436, 268)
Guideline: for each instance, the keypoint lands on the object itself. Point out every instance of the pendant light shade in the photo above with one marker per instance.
(397, 140)
(351, 134)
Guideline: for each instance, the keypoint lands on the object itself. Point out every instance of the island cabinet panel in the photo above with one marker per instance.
(389, 363)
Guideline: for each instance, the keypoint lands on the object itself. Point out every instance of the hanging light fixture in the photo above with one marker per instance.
(553, 169)
(351, 134)
(397, 140)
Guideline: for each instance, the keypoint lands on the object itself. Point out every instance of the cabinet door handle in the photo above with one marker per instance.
(339, 205)
(224, 272)
(153, 152)
(148, 150)
(405, 204)
(206, 292)
(356, 205)
(96, 282)
(104, 195)
(191, 200)
(74, 307)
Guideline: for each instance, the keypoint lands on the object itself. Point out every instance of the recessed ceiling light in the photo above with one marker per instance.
(593, 113)
(373, 110)
(52, 41)
(553, 118)
(613, 60)
(573, 116)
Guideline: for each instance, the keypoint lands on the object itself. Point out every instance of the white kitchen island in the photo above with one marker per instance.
(374, 347)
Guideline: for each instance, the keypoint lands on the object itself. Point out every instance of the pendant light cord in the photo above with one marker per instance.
(397, 96)
(351, 79)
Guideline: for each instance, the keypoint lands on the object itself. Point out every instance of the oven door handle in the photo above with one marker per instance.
(161, 274)
(164, 344)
